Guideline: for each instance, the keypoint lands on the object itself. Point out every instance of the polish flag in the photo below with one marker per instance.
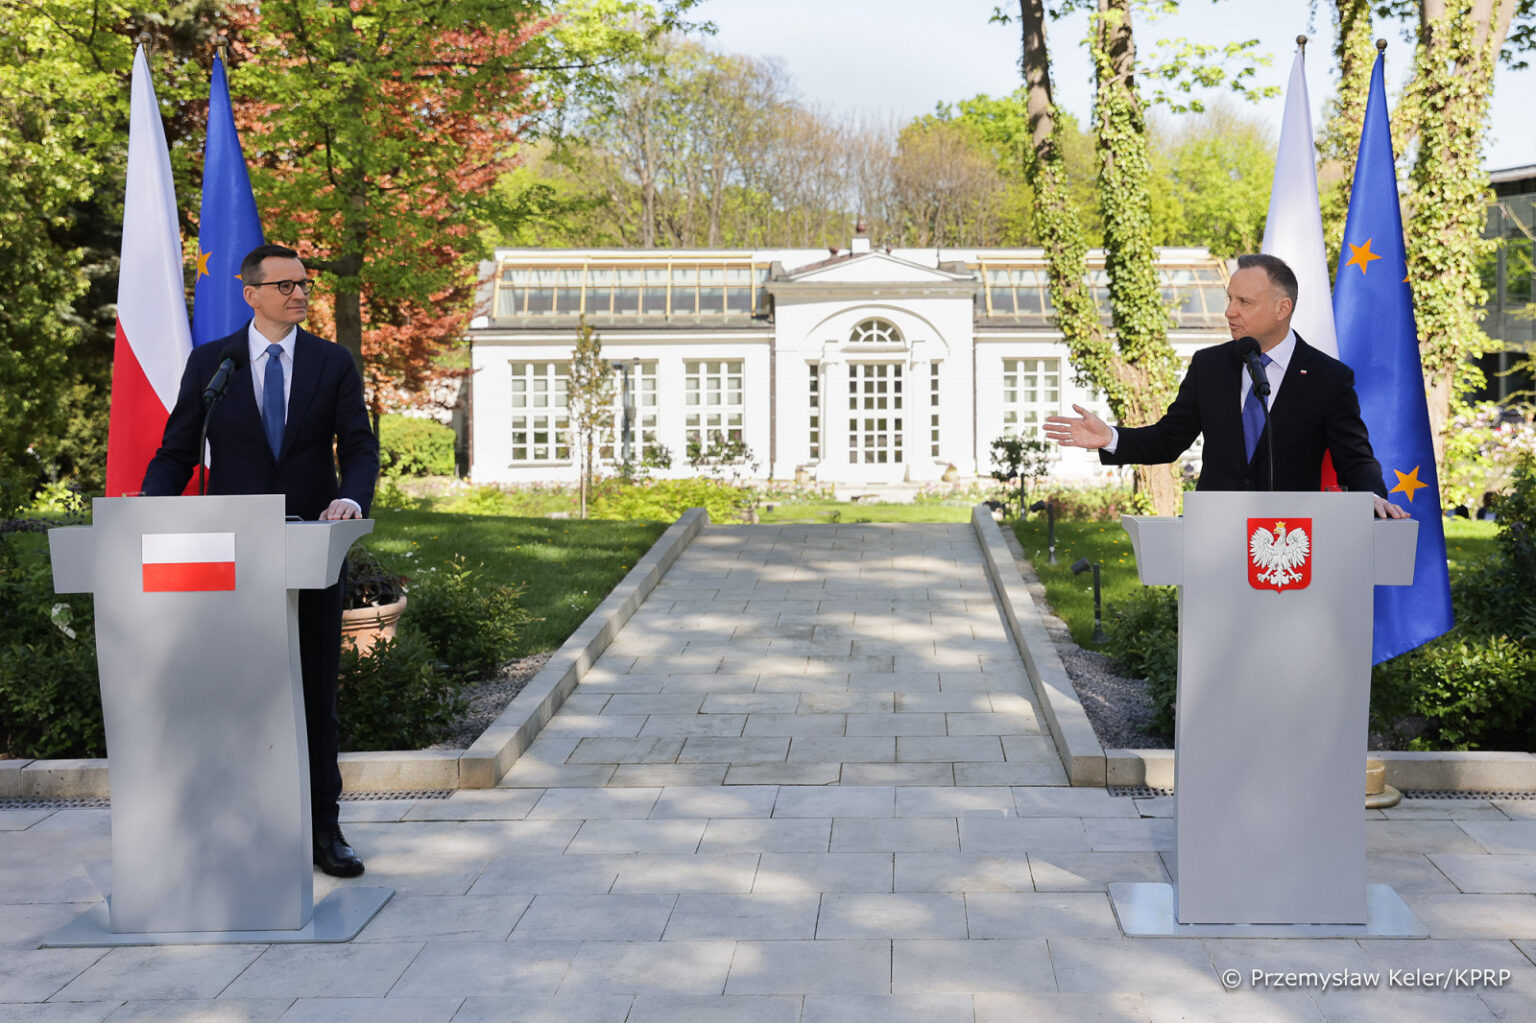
(1294, 228)
(188, 562)
(153, 339)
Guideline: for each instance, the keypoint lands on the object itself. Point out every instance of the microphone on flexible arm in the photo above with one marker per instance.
(1249, 346)
(233, 357)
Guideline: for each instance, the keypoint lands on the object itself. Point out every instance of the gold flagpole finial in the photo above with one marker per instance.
(1301, 41)
(221, 48)
(1381, 45)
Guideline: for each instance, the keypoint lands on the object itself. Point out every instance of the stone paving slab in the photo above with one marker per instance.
(734, 818)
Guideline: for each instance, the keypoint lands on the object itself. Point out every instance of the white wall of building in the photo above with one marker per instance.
(817, 304)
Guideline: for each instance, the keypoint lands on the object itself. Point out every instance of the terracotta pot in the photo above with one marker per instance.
(362, 627)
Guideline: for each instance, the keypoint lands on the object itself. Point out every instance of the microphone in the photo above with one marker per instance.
(1250, 348)
(231, 358)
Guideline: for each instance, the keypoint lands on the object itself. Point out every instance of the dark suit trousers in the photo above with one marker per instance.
(319, 661)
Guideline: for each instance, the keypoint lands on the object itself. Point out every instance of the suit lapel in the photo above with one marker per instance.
(306, 369)
(1293, 388)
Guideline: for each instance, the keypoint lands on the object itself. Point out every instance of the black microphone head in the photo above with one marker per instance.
(1248, 345)
(239, 351)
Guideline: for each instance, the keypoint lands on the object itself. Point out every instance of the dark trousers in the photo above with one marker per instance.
(319, 662)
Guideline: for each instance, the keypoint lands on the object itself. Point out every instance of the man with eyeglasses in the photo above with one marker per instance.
(291, 398)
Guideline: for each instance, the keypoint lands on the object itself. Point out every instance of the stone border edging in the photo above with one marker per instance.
(484, 763)
(1081, 755)
(493, 754)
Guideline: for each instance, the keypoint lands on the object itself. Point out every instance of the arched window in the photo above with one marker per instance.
(874, 332)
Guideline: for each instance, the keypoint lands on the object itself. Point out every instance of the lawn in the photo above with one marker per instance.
(567, 565)
(1071, 597)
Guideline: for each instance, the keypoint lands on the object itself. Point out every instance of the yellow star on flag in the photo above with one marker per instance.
(1407, 483)
(1361, 255)
(202, 263)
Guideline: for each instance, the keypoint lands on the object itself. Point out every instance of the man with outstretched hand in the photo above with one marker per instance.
(1313, 408)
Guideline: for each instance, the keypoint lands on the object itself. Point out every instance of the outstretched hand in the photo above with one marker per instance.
(1086, 431)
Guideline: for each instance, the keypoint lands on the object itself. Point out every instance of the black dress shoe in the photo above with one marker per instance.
(333, 855)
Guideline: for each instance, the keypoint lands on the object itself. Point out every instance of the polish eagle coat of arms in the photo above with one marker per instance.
(1279, 554)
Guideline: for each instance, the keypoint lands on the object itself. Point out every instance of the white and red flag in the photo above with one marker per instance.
(188, 562)
(1294, 228)
(153, 339)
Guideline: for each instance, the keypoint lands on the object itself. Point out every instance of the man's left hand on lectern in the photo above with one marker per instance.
(1387, 510)
(340, 509)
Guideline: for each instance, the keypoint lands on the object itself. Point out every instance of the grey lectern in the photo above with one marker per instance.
(1275, 607)
(198, 650)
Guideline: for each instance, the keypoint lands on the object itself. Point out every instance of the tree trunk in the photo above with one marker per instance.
(1459, 44)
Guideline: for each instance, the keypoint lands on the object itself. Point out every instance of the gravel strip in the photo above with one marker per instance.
(1118, 707)
(489, 698)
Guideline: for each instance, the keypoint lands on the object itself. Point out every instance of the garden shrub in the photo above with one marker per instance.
(412, 446)
(666, 500)
(1143, 638)
(50, 696)
(1104, 503)
(394, 697)
(1473, 687)
(471, 626)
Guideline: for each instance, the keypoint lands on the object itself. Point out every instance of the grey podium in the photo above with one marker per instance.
(1275, 618)
(198, 651)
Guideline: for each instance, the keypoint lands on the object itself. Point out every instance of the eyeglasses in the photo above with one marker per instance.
(286, 287)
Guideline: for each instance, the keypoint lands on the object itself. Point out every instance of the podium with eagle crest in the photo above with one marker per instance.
(1275, 612)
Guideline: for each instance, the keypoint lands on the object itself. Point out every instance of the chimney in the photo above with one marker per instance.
(860, 240)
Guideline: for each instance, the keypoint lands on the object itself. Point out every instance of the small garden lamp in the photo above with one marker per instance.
(1050, 525)
(1078, 568)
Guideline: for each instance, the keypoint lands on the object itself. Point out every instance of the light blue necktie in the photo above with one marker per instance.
(1253, 415)
(272, 410)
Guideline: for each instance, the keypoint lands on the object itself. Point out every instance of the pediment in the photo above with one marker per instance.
(872, 268)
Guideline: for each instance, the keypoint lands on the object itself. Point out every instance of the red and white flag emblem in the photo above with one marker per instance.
(1279, 553)
(188, 562)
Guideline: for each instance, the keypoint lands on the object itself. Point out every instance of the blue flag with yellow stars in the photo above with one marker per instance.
(228, 226)
(1378, 339)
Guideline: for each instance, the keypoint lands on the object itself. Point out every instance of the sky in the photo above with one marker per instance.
(898, 58)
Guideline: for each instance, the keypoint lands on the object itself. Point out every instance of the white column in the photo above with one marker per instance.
(834, 421)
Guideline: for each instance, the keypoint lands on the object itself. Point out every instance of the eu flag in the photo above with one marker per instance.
(228, 227)
(1378, 339)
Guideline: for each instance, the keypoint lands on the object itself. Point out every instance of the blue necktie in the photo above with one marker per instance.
(1253, 415)
(272, 410)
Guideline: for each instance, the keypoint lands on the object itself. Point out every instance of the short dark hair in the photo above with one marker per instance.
(1280, 275)
(250, 266)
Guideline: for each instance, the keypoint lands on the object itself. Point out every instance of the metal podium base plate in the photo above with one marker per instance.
(1145, 910)
(338, 917)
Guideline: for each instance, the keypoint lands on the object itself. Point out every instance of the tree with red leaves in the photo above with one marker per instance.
(373, 128)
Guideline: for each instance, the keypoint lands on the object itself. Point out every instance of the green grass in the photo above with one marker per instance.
(1071, 597)
(847, 513)
(567, 565)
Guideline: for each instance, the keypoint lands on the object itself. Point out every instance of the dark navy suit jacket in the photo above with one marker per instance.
(1315, 410)
(325, 404)
(325, 410)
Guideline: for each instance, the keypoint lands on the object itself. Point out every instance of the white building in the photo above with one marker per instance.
(867, 367)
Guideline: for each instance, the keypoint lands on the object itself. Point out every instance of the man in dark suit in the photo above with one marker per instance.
(1313, 407)
(291, 401)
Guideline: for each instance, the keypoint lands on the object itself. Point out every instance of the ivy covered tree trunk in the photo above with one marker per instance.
(1147, 368)
(1136, 377)
(1459, 44)
(1354, 50)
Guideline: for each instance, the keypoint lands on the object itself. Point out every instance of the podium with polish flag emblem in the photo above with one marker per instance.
(198, 651)
(1274, 682)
